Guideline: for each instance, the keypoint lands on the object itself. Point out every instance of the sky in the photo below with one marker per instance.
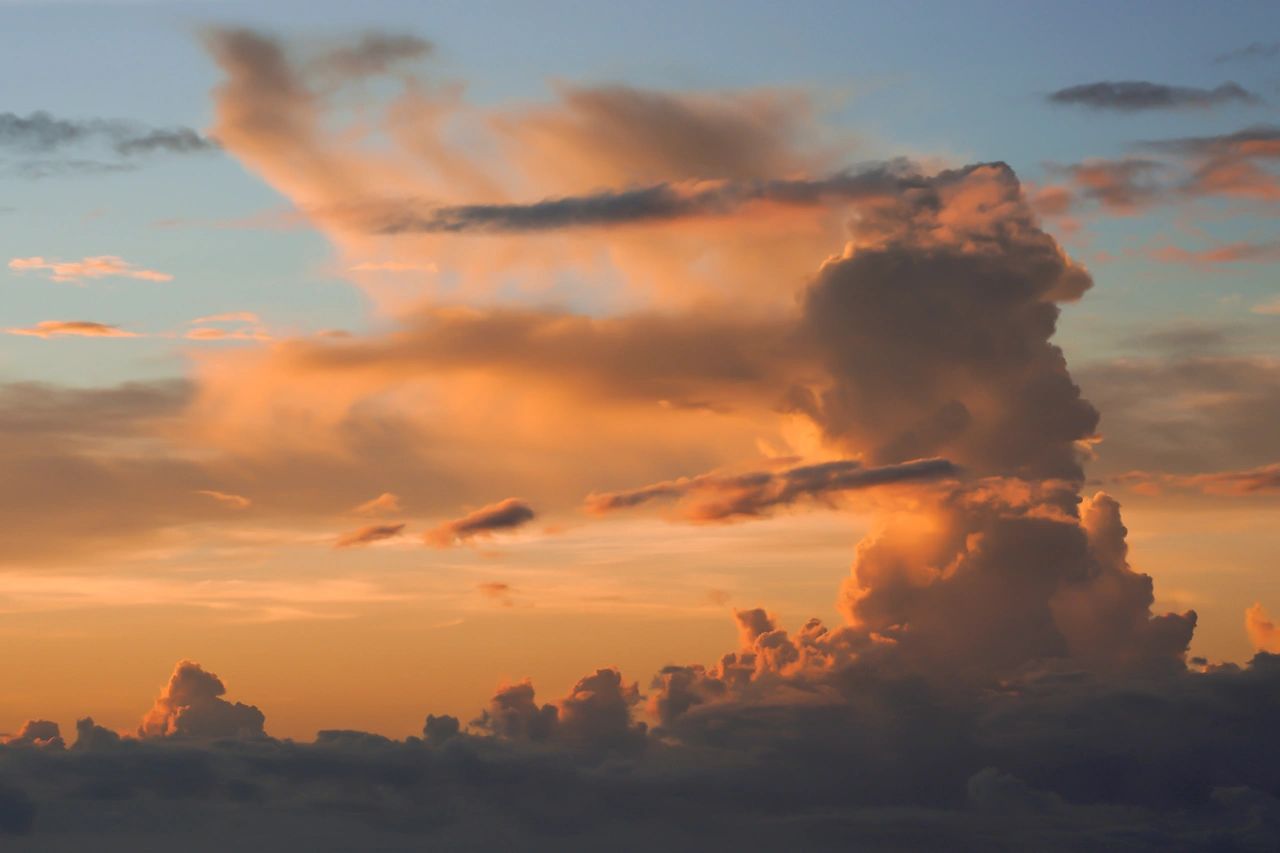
(392, 359)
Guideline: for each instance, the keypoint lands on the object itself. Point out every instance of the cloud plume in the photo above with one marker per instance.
(712, 497)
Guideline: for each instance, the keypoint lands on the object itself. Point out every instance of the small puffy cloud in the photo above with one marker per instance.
(1263, 633)
(71, 328)
(438, 729)
(37, 733)
(90, 735)
(385, 502)
(514, 713)
(191, 705)
(368, 535)
(226, 498)
(1139, 95)
(496, 591)
(500, 517)
(98, 266)
(597, 713)
(1271, 307)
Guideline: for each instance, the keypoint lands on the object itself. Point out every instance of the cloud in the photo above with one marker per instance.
(368, 535)
(40, 131)
(394, 267)
(43, 734)
(385, 502)
(502, 516)
(372, 54)
(1122, 187)
(233, 501)
(71, 328)
(496, 591)
(513, 713)
(1263, 480)
(229, 317)
(659, 202)
(101, 266)
(206, 333)
(1232, 164)
(1263, 633)
(1185, 412)
(712, 497)
(1138, 95)
(1256, 50)
(998, 677)
(190, 705)
(1240, 252)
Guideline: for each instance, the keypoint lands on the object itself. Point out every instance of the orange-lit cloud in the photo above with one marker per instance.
(1263, 633)
(724, 497)
(100, 266)
(385, 502)
(71, 328)
(1263, 480)
(233, 501)
(496, 591)
(505, 515)
(229, 317)
(368, 535)
(191, 705)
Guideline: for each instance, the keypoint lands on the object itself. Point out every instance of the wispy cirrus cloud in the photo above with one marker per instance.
(71, 328)
(97, 266)
(1263, 480)
(226, 498)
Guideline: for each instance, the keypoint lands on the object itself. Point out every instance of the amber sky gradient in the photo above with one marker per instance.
(547, 389)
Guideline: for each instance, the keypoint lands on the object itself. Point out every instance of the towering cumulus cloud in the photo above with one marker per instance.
(191, 705)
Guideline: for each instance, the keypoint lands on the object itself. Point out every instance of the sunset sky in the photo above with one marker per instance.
(378, 356)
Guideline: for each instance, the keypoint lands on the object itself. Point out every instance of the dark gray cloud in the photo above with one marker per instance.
(1138, 95)
(884, 761)
(1256, 50)
(49, 146)
(40, 132)
(658, 202)
(712, 497)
